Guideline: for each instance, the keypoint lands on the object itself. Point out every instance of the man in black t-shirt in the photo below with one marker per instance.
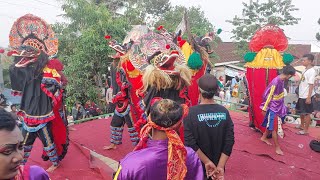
(208, 129)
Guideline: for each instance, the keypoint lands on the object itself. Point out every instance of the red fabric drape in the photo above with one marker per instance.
(193, 89)
(258, 80)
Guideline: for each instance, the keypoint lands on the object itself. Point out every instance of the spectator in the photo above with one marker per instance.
(316, 106)
(78, 111)
(228, 95)
(289, 108)
(109, 103)
(234, 81)
(3, 102)
(11, 152)
(244, 101)
(14, 112)
(293, 105)
(228, 84)
(306, 92)
(235, 90)
(208, 129)
(92, 109)
(182, 163)
(221, 94)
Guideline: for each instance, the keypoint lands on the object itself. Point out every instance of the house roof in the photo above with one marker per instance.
(316, 61)
(226, 51)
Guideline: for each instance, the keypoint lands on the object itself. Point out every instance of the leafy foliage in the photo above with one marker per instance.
(257, 14)
(142, 11)
(83, 49)
(199, 24)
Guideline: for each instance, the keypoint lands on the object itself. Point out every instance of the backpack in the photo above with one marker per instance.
(315, 145)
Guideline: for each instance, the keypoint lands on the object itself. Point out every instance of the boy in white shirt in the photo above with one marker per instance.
(304, 105)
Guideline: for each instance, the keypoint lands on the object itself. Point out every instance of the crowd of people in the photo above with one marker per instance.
(90, 109)
(208, 140)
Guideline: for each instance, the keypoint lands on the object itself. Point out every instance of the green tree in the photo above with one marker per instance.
(141, 11)
(199, 24)
(257, 14)
(318, 34)
(83, 48)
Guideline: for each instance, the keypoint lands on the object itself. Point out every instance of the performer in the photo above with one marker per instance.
(39, 78)
(11, 153)
(273, 106)
(165, 74)
(164, 155)
(123, 113)
(262, 66)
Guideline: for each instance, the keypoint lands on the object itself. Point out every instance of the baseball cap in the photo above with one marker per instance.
(208, 83)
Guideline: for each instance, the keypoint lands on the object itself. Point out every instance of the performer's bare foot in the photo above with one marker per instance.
(72, 129)
(52, 168)
(265, 141)
(279, 151)
(110, 147)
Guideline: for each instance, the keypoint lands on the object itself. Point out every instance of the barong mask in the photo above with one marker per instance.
(161, 62)
(29, 36)
(206, 42)
(120, 49)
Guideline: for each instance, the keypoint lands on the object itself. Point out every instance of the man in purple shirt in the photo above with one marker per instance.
(273, 106)
(163, 155)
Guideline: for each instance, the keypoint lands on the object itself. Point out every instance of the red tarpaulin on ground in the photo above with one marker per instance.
(251, 158)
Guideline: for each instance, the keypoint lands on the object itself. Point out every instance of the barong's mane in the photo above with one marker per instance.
(154, 77)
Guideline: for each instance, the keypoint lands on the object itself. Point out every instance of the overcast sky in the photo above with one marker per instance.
(216, 11)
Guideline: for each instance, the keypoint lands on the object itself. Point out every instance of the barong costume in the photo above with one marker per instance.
(262, 66)
(38, 77)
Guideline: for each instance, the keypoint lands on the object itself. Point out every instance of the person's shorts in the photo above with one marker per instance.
(269, 120)
(303, 108)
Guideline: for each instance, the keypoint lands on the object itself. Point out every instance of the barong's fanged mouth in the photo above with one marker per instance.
(25, 61)
(166, 62)
(206, 42)
(117, 47)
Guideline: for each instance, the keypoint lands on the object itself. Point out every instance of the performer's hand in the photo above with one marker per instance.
(210, 169)
(263, 113)
(219, 173)
(308, 100)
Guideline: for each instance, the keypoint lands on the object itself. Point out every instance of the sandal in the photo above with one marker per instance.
(302, 133)
(298, 127)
